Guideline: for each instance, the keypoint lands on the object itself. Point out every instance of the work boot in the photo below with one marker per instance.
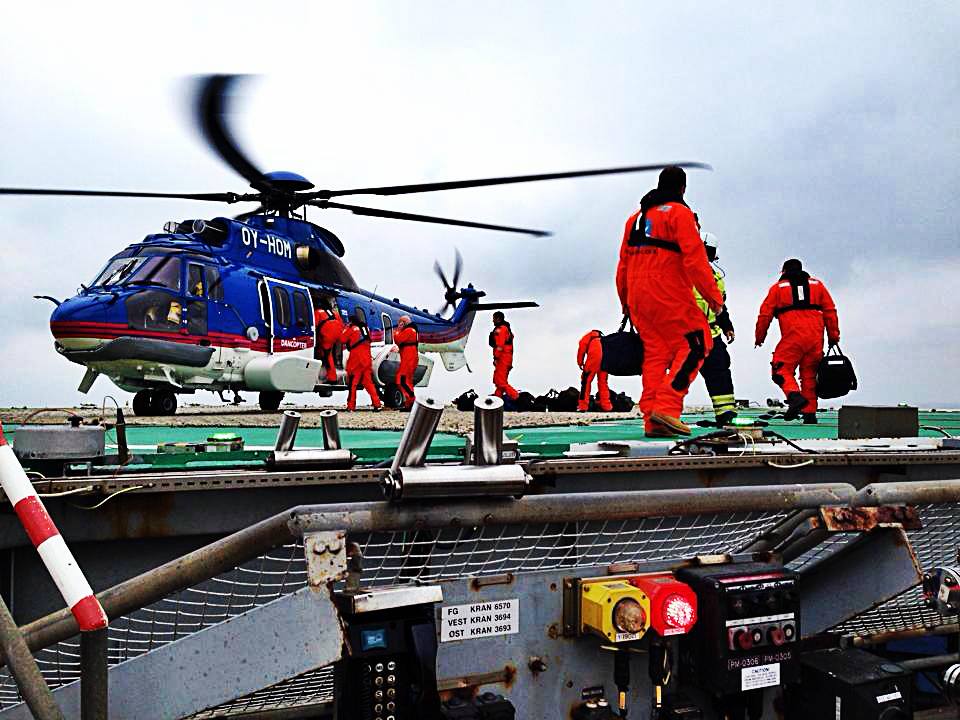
(659, 431)
(676, 425)
(809, 418)
(726, 417)
(795, 403)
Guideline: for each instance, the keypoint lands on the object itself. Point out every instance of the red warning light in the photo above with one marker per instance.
(673, 604)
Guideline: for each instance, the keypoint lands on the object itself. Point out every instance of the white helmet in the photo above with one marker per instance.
(709, 239)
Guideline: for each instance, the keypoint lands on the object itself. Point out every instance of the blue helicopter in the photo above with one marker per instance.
(228, 304)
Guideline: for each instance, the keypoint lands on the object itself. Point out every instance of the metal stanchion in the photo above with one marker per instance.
(487, 430)
(93, 675)
(289, 422)
(417, 434)
(331, 429)
(36, 693)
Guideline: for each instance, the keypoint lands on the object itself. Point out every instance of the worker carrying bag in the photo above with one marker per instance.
(835, 375)
(622, 351)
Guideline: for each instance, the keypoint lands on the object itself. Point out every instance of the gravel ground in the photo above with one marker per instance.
(453, 420)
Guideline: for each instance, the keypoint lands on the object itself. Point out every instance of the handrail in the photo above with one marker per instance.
(237, 548)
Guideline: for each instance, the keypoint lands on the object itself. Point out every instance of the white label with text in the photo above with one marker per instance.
(486, 619)
(760, 676)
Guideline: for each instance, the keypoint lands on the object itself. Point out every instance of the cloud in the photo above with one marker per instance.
(831, 127)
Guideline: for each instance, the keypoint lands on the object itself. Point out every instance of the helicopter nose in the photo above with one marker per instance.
(79, 322)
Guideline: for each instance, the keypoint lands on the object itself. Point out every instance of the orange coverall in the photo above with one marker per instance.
(804, 308)
(589, 358)
(407, 339)
(501, 340)
(359, 364)
(329, 329)
(661, 258)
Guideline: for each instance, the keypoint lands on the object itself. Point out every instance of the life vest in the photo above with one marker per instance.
(800, 292)
(364, 337)
(324, 316)
(493, 335)
(416, 337)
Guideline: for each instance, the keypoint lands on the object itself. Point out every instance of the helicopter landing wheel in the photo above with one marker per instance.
(270, 400)
(143, 403)
(393, 396)
(163, 402)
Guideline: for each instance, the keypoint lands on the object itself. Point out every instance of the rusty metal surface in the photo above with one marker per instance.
(326, 557)
(701, 462)
(375, 517)
(925, 491)
(855, 519)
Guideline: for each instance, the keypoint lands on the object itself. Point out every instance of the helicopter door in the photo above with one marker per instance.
(196, 315)
(290, 317)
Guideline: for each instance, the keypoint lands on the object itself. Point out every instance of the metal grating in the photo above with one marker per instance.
(312, 688)
(431, 555)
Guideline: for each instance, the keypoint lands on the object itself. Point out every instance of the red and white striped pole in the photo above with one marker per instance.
(49, 543)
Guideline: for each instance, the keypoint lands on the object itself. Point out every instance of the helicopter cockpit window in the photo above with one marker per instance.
(301, 309)
(162, 270)
(281, 306)
(117, 271)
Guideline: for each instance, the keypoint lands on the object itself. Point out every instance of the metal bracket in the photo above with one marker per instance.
(839, 518)
(326, 557)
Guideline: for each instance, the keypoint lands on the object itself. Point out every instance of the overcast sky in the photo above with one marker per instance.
(832, 128)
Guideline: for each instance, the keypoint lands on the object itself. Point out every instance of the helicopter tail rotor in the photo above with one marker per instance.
(451, 293)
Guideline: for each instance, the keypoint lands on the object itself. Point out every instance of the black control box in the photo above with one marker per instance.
(850, 685)
(389, 673)
(748, 627)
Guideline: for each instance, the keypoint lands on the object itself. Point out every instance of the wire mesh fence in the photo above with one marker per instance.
(431, 555)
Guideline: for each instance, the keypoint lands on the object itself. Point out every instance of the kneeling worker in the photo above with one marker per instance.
(716, 368)
(661, 259)
(590, 358)
(804, 308)
(406, 338)
(501, 340)
(356, 338)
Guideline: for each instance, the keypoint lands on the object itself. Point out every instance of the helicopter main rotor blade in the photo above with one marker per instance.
(458, 184)
(243, 217)
(394, 215)
(214, 197)
(212, 119)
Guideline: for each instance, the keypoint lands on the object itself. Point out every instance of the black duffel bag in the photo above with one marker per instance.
(835, 375)
(622, 351)
(464, 402)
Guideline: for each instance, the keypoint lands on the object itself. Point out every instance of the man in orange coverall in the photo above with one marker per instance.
(406, 339)
(589, 358)
(501, 340)
(329, 328)
(661, 258)
(803, 307)
(356, 338)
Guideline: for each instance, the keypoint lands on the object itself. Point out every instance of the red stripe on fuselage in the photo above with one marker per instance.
(111, 331)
